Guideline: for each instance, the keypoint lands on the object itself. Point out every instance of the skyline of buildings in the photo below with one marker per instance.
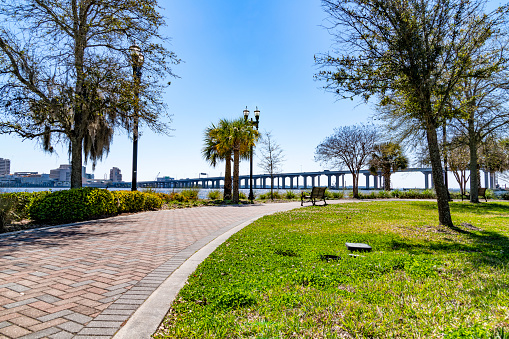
(60, 176)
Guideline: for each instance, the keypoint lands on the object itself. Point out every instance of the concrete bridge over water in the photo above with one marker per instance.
(301, 180)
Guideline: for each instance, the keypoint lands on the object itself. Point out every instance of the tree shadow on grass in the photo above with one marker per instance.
(481, 208)
(485, 248)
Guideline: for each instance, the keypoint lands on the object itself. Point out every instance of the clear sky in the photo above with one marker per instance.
(254, 53)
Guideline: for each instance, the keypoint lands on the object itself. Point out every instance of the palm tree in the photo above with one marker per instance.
(217, 148)
(242, 136)
(387, 157)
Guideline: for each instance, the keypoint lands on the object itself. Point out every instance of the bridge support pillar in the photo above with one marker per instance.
(367, 180)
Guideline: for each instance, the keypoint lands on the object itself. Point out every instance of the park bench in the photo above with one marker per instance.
(317, 194)
(481, 193)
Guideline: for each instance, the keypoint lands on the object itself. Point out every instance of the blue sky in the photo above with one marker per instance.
(236, 54)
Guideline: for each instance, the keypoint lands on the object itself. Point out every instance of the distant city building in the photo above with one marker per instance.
(63, 174)
(5, 166)
(115, 175)
(35, 179)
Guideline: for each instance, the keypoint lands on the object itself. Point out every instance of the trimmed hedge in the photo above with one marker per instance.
(88, 203)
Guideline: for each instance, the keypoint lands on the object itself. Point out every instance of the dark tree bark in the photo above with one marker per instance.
(227, 195)
(474, 170)
(444, 212)
(236, 160)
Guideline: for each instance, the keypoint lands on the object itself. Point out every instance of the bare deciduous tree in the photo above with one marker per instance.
(271, 158)
(350, 147)
(459, 160)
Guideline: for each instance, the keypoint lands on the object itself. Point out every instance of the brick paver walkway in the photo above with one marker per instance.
(87, 279)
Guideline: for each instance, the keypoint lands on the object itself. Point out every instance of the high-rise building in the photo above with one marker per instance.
(115, 174)
(5, 166)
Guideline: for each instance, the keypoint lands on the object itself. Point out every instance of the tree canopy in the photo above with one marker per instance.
(66, 72)
(387, 157)
(408, 55)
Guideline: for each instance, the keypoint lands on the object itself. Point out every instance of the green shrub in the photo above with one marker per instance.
(22, 202)
(396, 193)
(135, 201)
(490, 194)
(338, 195)
(242, 195)
(215, 195)
(165, 197)
(384, 195)
(370, 195)
(290, 195)
(89, 203)
(152, 202)
(130, 201)
(8, 205)
(73, 205)
(190, 194)
(415, 194)
(504, 196)
(276, 195)
(264, 196)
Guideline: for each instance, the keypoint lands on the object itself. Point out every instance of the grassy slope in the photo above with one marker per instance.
(421, 280)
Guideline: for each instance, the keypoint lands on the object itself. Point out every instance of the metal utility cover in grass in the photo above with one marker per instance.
(358, 247)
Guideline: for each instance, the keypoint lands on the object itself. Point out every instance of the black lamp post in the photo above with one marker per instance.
(137, 63)
(254, 123)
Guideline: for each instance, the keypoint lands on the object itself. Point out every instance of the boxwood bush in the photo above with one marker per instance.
(21, 202)
(89, 203)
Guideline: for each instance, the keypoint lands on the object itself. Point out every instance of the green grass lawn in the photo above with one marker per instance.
(421, 280)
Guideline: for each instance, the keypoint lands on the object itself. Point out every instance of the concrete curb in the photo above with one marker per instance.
(147, 318)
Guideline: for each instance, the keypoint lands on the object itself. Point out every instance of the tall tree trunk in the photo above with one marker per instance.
(474, 174)
(227, 194)
(355, 185)
(236, 163)
(271, 186)
(387, 179)
(76, 162)
(80, 120)
(444, 212)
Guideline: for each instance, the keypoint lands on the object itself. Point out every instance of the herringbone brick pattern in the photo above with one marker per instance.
(85, 280)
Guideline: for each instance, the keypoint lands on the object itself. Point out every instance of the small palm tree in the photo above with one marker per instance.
(217, 148)
(387, 158)
(242, 136)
